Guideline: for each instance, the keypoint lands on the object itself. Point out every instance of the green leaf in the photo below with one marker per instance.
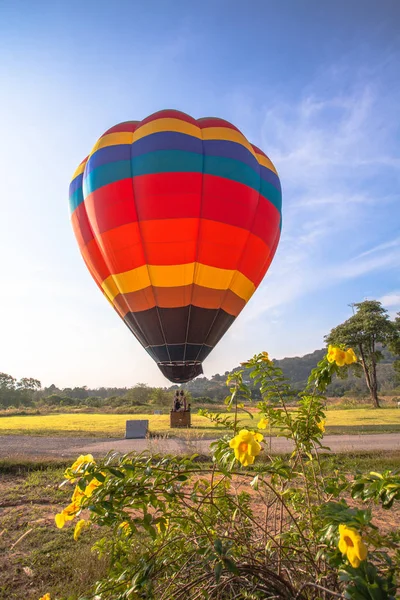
(218, 547)
(117, 473)
(217, 571)
(230, 565)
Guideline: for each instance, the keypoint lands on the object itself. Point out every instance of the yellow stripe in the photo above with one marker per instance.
(128, 137)
(171, 275)
(241, 286)
(113, 139)
(178, 275)
(79, 170)
(265, 162)
(123, 283)
(225, 133)
(176, 125)
(208, 133)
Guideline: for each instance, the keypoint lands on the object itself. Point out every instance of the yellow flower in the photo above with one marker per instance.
(45, 597)
(321, 425)
(160, 529)
(336, 355)
(265, 357)
(124, 527)
(331, 354)
(67, 514)
(83, 459)
(77, 467)
(91, 487)
(351, 544)
(350, 357)
(246, 446)
(81, 524)
(77, 495)
(263, 423)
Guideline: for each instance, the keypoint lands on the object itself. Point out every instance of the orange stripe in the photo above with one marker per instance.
(180, 241)
(176, 297)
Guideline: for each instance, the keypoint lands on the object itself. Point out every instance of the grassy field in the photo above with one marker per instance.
(36, 557)
(360, 420)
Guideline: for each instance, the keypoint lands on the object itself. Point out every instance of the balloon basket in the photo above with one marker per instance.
(180, 418)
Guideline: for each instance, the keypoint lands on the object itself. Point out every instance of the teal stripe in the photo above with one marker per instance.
(106, 174)
(75, 199)
(178, 161)
(269, 191)
(167, 161)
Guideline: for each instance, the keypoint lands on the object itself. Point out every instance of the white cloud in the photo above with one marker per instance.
(391, 299)
(333, 153)
(384, 246)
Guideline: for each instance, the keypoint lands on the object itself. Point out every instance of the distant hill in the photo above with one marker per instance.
(297, 370)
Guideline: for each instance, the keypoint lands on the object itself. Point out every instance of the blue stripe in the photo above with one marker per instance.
(75, 199)
(175, 161)
(75, 184)
(173, 140)
(271, 177)
(106, 174)
(167, 140)
(228, 149)
(109, 154)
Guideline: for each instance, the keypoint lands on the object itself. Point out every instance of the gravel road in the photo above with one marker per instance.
(14, 446)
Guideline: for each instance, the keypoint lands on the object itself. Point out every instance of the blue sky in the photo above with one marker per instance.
(315, 84)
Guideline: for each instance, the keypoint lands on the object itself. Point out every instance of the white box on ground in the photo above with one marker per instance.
(136, 429)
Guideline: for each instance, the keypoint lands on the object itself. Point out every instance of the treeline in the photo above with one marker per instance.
(28, 392)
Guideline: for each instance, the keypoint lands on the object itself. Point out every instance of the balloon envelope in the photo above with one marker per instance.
(177, 220)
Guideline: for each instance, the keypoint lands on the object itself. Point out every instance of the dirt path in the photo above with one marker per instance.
(67, 447)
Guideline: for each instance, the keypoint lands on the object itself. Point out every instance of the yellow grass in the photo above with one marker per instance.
(363, 416)
(107, 425)
(357, 420)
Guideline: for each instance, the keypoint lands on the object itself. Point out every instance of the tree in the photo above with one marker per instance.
(139, 394)
(8, 393)
(367, 330)
(394, 347)
(161, 397)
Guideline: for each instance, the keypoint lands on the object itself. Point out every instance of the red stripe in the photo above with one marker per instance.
(258, 151)
(221, 245)
(171, 242)
(266, 221)
(129, 126)
(168, 195)
(169, 114)
(111, 206)
(177, 195)
(95, 261)
(123, 248)
(253, 259)
(215, 122)
(80, 223)
(228, 201)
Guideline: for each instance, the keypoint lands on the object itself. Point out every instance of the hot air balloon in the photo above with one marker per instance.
(177, 220)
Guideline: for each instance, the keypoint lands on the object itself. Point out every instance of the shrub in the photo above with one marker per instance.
(241, 527)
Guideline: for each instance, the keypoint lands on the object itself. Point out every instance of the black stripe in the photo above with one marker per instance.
(145, 325)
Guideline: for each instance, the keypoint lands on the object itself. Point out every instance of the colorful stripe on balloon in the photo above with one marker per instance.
(177, 220)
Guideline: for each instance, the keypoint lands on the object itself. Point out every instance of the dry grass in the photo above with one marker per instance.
(358, 420)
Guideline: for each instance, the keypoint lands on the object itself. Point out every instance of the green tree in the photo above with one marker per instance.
(367, 330)
(8, 393)
(394, 347)
(139, 394)
(161, 397)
